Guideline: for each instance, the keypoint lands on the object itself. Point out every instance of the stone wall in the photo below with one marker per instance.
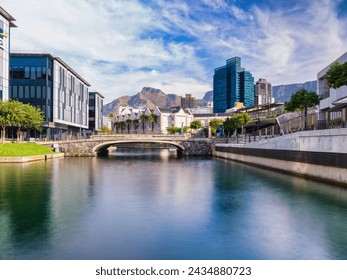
(78, 149)
(195, 147)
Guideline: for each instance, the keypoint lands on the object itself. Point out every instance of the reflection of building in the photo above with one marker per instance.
(6, 22)
(262, 92)
(232, 83)
(95, 111)
(333, 104)
(188, 101)
(51, 85)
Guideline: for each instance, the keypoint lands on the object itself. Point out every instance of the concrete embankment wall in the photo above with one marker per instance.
(317, 154)
(328, 140)
(30, 158)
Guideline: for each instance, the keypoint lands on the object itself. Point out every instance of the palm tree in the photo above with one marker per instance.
(122, 126)
(143, 119)
(153, 119)
(117, 126)
(111, 117)
(136, 124)
(129, 122)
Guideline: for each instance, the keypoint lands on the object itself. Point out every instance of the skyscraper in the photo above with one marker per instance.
(232, 83)
(263, 92)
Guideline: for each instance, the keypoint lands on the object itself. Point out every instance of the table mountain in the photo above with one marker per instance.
(148, 96)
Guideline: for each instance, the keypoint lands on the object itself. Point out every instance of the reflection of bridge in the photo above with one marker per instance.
(100, 144)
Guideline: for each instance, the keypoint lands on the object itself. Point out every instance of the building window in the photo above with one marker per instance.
(38, 92)
(32, 91)
(32, 73)
(27, 73)
(15, 92)
(26, 92)
(38, 73)
(20, 92)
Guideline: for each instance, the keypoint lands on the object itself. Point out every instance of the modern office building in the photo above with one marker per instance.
(51, 85)
(232, 83)
(188, 102)
(263, 92)
(333, 102)
(96, 100)
(6, 22)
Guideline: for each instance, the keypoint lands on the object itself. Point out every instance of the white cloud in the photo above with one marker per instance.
(121, 46)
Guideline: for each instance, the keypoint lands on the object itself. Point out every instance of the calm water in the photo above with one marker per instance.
(148, 204)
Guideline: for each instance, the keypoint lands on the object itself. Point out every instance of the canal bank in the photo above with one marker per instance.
(30, 158)
(316, 154)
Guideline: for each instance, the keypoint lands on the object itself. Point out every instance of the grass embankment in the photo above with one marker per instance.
(23, 150)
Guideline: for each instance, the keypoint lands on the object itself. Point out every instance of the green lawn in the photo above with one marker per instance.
(23, 149)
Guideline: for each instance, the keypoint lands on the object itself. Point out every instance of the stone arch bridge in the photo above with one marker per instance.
(99, 144)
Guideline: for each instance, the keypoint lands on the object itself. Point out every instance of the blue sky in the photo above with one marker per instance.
(120, 46)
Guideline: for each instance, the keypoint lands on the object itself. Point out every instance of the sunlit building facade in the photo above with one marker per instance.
(6, 23)
(51, 85)
(263, 92)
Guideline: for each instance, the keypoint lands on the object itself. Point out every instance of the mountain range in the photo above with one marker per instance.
(150, 97)
(283, 93)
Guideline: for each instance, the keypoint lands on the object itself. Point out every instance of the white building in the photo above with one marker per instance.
(6, 22)
(165, 117)
(333, 102)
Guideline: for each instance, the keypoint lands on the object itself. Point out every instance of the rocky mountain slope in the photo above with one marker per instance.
(149, 97)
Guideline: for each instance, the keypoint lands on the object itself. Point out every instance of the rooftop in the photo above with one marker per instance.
(7, 16)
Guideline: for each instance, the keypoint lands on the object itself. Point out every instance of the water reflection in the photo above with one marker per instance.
(150, 204)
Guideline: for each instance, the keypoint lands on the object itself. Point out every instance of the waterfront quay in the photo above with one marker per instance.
(320, 154)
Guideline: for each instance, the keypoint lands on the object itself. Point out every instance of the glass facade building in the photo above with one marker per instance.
(49, 84)
(231, 83)
(6, 22)
(95, 111)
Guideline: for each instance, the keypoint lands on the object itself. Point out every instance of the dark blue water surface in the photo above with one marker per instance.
(149, 204)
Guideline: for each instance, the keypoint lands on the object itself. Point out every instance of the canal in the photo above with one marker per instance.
(150, 204)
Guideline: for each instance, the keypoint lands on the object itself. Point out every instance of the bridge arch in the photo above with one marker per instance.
(102, 147)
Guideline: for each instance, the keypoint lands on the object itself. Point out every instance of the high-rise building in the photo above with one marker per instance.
(188, 101)
(51, 85)
(6, 22)
(263, 92)
(232, 83)
(95, 111)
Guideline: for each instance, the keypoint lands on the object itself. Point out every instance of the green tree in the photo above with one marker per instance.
(106, 130)
(173, 130)
(122, 126)
(16, 114)
(301, 101)
(230, 125)
(153, 120)
(144, 119)
(337, 75)
(128, 123)
(196, 124)
(117, 126)
(215, 123)
(242, 119)
(136, 125)
(31, 118)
